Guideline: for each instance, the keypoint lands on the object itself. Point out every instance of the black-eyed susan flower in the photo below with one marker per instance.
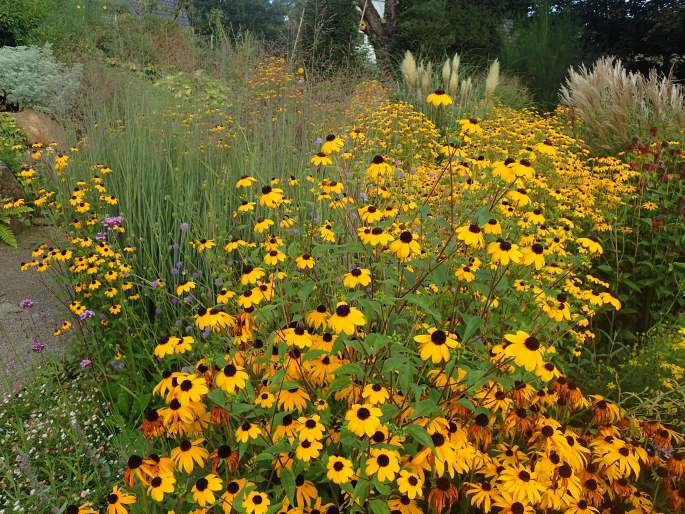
(321, 159)
(117, 501)
(305, 261)
(357, 277)
(525, 349)
(247, 431)
(383, 463)
(159, 485)
(245, 181)
(375, 394)
(308, 450)
(363, 419)
(435, 346)
(339, 470)
(185, 287)
(346, 319)
(202, 245)
(410, 484)
(504, 252)
(378, 167)
(256, 503)
(439, 98)
(332, 144)
(318, 317)
(405, 245)
(534, 255)
(231, 378)
(481, 494)
(204, 489)
(472, 235)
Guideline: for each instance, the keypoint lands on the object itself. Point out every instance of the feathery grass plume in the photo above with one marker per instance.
(409, 72)
(456, 61)
(612, 102)
(466, 87)
(446, 72)
(427, 78)
(453, 83)
(492, 79)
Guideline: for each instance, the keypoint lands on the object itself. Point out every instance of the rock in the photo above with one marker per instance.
(9, 185)
(38, 127)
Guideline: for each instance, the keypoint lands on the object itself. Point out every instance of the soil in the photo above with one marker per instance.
(21, 328)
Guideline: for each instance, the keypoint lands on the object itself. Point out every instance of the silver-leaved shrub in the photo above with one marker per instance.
(31, 77)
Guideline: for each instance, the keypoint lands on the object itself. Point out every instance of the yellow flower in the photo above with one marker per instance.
(321, 159)
(410, 484)
(231, 378)
(357, 277)
(256, 503)
(185, 287)
(305, 261)
(204, 488)
(159, 485)
(117, 500)
(525, 349)
(332, 144)
(385, 464)
(188, 453)
(438, 98)
(471, 235)
(245, 181)
(405, 246)
(363, 419)
(346, 319)
(340, 470)
(436, 345)
(504, 252)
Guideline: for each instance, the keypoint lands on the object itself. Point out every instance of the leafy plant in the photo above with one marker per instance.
(8, 212)
(644, 257)
(32, 77)
(540, 48)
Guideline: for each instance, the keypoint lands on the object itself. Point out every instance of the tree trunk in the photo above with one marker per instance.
(380, 30)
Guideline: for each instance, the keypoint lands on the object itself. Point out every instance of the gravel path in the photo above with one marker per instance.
(21, 328)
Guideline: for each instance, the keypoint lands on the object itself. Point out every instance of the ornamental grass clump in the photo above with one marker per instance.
(453, 86)
(614, 104)
(383, 330)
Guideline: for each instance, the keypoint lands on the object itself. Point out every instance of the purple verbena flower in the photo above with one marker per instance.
(86, 315)
(26, 303)
(85, 363)
(37, 347)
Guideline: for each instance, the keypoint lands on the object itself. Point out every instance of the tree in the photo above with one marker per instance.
(265, 18)
(330, 34)
(380, 30)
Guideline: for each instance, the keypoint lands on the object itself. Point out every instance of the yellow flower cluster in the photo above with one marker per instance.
(391, 332)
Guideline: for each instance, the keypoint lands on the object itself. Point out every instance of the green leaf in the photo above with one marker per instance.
(471, 326)
(421, 436)
(378, 507)
(7, 237)
(288, 481)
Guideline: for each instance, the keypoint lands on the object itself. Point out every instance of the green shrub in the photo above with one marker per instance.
(18, 21)
(647, 378)
(32, 77)
(10, 138)
(644, 252)
(540, 49)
